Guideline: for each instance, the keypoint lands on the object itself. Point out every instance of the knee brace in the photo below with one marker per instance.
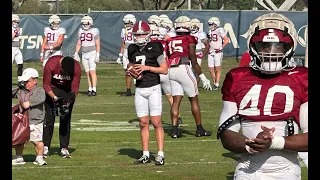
(19, 71)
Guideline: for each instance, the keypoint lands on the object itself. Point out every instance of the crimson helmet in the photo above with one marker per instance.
(271, 42)
(141, 28)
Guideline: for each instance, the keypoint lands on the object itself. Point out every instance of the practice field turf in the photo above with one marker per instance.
(105, 139)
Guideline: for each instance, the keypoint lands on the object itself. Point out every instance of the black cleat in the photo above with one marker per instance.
(203, 132)
(176, 133)
(159, 160)
(89, 93)
(93, 93)
(128, 93)
(143, 160)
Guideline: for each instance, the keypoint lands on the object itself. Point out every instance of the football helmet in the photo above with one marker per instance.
(15, 20)
(195, 25)
(182, 24)
(129, 20)
(154, 19)
(155, 33)
(166, 23)
(163, 16)
(272, 40)
(141, 33)
(213, 23)
(86, 22)
(54, 21)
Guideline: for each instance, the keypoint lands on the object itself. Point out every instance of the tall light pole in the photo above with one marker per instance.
(57, 6)
(189, 4)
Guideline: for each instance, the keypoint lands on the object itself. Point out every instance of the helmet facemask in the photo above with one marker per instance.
(141, 39)
(194, 28)
(15, 23)
(212, 26)
(128, 25)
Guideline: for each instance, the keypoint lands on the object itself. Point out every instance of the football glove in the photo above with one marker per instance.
(97, 57)
(76, 57)
(119, 60)
(205, 82)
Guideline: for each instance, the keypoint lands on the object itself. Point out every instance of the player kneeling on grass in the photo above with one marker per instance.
(271, 107)
(146, 62)
(31, 98)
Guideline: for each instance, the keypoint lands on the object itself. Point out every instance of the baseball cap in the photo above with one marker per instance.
(29, 73)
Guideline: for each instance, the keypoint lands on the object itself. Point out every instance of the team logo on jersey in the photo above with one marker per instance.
(61, 77)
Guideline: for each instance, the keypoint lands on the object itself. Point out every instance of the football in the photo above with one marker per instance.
(133, 72)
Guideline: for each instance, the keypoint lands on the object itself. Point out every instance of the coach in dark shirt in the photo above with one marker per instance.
(61, 81)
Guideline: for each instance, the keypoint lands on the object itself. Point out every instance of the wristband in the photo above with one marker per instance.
(277, 143)
(55, 97)
(98, 54)
(202, 76)
(248, 149)
(76, 54)
(120, 54)
(41, 54)
(51, 47)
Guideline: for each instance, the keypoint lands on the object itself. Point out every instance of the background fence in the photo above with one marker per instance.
(110, 24)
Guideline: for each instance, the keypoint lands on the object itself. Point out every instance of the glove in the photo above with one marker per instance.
(219, 50)
(76, 57)
(119, 60)
(205, 82)
(199, 55)
(97, 57)
(71, 96)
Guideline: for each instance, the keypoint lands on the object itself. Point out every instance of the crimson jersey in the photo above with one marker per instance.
(54, 77)
(262, 99)
(165, 47)
(178, 46)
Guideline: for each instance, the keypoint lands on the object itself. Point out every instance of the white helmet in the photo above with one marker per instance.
(213, 23)
(272, 39)
(86, 22)
(15, 20)
(154, 19)
(195, 25)
(182, 24)
(163, 16)
(155, 33)
(129, 20)
(54, 21)
(167, 23)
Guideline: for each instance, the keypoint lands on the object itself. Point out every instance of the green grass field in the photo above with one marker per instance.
(105, 137)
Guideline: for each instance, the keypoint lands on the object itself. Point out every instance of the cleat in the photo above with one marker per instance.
(143, 160)
(203, 132)
(128, 93)
(40, 161)
(89, 93)
(93, 93)
(159, 160)
(18, 161)
(65, 153)
(176, 134)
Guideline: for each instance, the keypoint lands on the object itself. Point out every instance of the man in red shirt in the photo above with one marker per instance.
(61, 81)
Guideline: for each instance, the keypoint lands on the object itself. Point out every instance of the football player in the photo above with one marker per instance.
(16, 53)
(126, 35)
(89, 42)
(218, 40)
(202, 39)
(181, 50)
(268, 101)
(163, 31)
(149, 60)
(164, 78)
(53, 39)
(155, 20)
(167, 25)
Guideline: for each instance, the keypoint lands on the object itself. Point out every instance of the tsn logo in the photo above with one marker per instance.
(31, 41)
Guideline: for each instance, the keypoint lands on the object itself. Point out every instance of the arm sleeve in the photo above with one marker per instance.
(229, 109)
(38, 97)
(62, 31)
(303, 117)
(75, 84)
(47, 75)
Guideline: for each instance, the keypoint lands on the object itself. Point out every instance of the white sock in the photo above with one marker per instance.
(146, 153)
(90, 89)
(39, 157)
(217, 84)
(94, 89)
(161, 153)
